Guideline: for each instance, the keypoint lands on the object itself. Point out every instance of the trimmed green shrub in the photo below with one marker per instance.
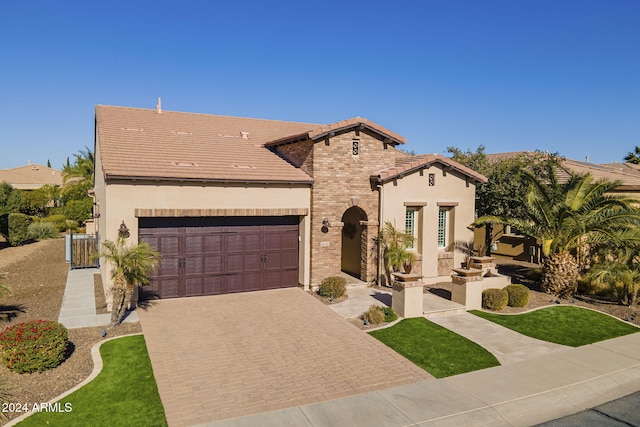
(33, 346)
(494, 299)
(15, 228)
(518, 295)
(42, 230)
(374, 315)
(333, 287)
(60, 221)
(389, 314)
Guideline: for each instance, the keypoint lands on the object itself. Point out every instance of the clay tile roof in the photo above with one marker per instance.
(144, 144)
(31, 177)
(322, 131)
(627, 173)
(409, 164)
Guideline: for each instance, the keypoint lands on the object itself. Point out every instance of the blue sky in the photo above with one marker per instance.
(558, 75)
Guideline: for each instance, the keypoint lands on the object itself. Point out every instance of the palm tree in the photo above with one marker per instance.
(132, 266)
(633, 156)
(82, 169)
(395, 243)
(570, 216)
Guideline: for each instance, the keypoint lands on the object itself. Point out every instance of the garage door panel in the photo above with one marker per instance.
(239, 262)
(168, 288)
(213, 264)
(194, 286)
(193, 245)
(213, 244)
(169, 266)
(213, 285)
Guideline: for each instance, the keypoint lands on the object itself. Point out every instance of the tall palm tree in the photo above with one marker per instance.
(570, 216)
(132, 266)
(633, 156)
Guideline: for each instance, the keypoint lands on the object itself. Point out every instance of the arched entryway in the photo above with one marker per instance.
(351, 261)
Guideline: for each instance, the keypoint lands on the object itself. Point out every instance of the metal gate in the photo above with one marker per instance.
(80, 250)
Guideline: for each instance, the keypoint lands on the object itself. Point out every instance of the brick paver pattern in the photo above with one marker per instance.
(224, 356)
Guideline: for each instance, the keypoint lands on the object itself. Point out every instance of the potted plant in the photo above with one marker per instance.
(398, 258)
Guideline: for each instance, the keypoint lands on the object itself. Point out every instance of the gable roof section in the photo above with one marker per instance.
(137, 143)
(31, 177)
(409, 164)
(322, 131)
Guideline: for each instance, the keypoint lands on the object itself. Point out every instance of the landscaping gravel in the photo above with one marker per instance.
(37, 274)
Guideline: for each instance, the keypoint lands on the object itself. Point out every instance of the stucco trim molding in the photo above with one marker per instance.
(160, 213)
(369, 223)
(410, 204)
(447, 204)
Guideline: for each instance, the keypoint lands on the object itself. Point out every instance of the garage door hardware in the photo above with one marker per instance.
(263, 258)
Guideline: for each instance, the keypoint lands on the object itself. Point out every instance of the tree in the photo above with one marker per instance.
(132, 265)
(633, 156)
(567, 216)
(82, 169)
(504, 194)
(10, 199)
(395, 243)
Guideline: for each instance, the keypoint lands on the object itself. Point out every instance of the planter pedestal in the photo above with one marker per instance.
(406, 295)
(467, 288)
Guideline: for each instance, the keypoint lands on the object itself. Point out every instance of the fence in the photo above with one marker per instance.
(79, 250)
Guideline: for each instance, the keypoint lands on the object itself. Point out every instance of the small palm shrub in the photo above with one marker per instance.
(494, 299)
(33, 346)
(518, 295)
(374, 315)
(42, 230)
(389, 314)
(333, 287)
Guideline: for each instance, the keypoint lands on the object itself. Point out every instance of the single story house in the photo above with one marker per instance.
(240, 204)
(512, 244)
(31, 177)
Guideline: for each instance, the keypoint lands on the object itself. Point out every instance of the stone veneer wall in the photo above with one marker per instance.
(341, 180)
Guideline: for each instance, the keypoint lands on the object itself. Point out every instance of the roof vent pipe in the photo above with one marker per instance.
(244, 135)
(159, 105)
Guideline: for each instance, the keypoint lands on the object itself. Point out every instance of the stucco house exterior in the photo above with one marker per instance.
(239, 204)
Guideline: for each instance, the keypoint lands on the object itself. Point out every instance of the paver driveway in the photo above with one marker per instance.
(223, 356)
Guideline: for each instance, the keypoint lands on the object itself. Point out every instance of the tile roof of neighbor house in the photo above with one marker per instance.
(31, 177)
(147, 144)
(629, 175)
(408, 164)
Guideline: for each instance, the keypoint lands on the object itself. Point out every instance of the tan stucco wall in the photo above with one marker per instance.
(119, 200)
(452, 190)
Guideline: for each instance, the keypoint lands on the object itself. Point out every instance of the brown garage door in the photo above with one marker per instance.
(208, 256)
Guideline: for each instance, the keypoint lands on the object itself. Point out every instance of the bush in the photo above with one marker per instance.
(494, 299)
(333, 287)
(374, 315)
(15, 228)
(389, 314)
(42, 230)
(518, 295)
(60, 221)
(33, 346)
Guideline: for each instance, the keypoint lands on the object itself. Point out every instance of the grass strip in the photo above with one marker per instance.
(123, 394)
(571, 326)
(435, 349)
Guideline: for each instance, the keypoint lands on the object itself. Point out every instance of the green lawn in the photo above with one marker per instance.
(123, 394)
(435, 349)
(572, 326)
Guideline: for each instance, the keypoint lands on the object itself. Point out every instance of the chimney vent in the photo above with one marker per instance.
(159, 105)
(244, 135)
(586, 159)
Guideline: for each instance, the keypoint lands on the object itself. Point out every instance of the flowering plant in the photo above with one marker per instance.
(33, 346)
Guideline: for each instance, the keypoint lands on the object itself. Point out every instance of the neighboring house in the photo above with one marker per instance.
(511, 244)
(237, 204)
(31, 177)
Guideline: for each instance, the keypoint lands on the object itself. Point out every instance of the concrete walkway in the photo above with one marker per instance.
(518, 394)
(79, 303)
(506, 345)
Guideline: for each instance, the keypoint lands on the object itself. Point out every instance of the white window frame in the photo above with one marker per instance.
(411, 225)
(443, 229)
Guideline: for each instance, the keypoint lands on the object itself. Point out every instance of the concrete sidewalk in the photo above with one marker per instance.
(79, 304)
(518, 394)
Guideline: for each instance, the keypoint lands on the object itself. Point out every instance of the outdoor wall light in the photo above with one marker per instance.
(123, 231)
(326, 223)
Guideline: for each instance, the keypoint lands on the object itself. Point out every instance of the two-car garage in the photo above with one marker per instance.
(219, 255)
